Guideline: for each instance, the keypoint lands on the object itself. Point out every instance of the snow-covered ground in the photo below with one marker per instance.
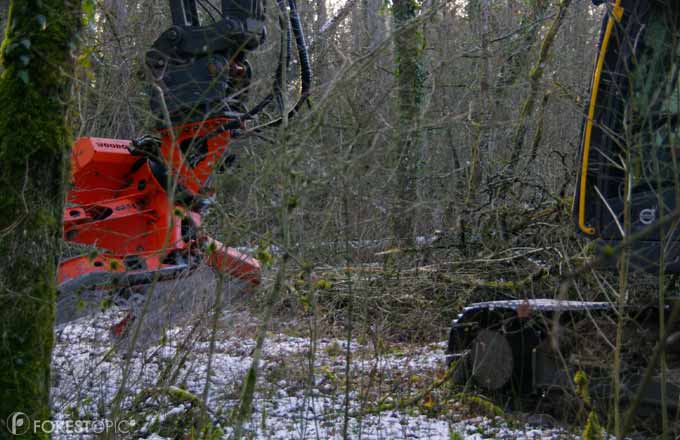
(300, 392)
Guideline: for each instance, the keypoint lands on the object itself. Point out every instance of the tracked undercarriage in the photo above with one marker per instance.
(627, 200)
(559, 357)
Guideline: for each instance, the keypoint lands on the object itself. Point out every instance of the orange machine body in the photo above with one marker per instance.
(126, 206)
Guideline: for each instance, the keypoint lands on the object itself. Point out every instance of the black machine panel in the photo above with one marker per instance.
(201, 68)
(631, 135)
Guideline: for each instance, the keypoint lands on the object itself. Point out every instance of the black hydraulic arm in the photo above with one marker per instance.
(191, 60)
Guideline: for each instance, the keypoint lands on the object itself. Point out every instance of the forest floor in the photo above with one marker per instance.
(395, 392)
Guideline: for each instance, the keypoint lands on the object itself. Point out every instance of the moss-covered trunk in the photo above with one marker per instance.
(4, 7)
(34, 142)
(409, 43)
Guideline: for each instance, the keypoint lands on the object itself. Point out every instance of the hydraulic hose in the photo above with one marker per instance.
(305, 69)
(277, 87)
(305, 73)
(303, 55)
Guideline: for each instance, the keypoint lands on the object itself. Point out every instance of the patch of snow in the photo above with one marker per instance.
(89, 368)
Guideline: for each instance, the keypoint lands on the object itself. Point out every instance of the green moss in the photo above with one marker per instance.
(292, 202)
(243, 411)
(114, 265)
(333, 349)
(180, 395)
(264, 256)
(480, 405)
(323, 284)
(593, 430)
(581, 382)
(34, 144)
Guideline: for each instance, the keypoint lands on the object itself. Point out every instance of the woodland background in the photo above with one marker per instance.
(460, 130)
(434, 167)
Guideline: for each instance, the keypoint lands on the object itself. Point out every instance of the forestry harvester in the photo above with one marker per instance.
(627, 200)
(139, 203)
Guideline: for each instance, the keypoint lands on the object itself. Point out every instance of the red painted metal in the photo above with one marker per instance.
(178, 141)
(117, 203)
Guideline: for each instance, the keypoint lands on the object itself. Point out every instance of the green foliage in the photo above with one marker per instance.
(593, 430)
(480, 405)
(106, 304)
(264, 256)
(333, 349)
(292, 202)
(329, 374)
(209, 432)
(89, 8)
(323, 284)
(244, 409)
(581, 382)
(114, 265)
(189, 423)
(405, 304)
(453, 435)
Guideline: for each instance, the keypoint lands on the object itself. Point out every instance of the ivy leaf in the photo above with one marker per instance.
(23, 76)
(42, 21)
(25, 59)
(25, 42)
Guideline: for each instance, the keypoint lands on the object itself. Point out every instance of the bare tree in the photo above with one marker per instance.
(409, 42)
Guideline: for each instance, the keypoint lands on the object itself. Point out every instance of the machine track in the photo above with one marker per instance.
(532, 348)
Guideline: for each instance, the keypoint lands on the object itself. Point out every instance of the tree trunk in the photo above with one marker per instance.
(356, 29)
(409, 44)
(521, 48)
(535, 77)
(4, 6)
(374, 22)
(482, 107)
(320, 64)
(34, 142)
(116, 50)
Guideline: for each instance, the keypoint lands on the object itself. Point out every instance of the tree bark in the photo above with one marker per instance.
(321, 18)
(409, 45)
(34, 143)
(374, 22)
(520, 49)
(4, 6)
(116, 50)
(481, 111)
(535, 77)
